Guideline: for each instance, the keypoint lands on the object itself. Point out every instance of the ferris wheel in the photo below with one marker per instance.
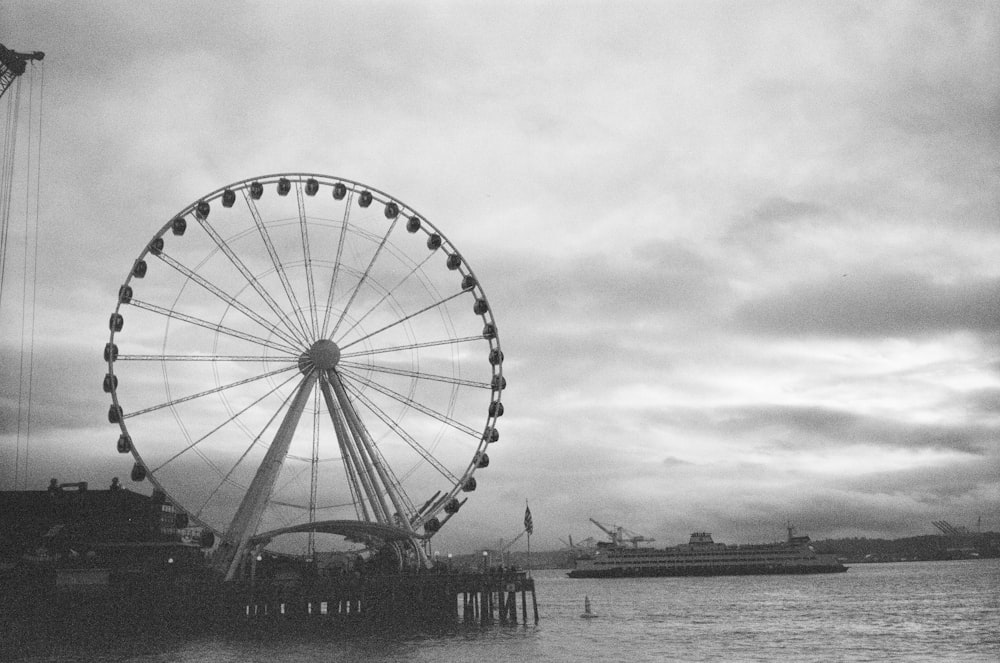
(299, 354)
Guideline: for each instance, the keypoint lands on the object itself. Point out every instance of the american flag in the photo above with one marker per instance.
(528, 524)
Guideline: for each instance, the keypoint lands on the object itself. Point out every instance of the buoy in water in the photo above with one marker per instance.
(587, 614)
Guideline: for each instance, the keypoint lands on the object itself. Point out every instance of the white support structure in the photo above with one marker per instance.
(361, 477)
(247, 518)
(363, 441)
(370, 481)
(376, 482)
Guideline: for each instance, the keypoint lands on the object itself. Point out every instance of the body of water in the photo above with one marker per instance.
(920, 611)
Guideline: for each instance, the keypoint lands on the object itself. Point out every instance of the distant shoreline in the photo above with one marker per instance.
(855, 550)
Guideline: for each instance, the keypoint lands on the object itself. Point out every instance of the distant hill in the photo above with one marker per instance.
(914, 548)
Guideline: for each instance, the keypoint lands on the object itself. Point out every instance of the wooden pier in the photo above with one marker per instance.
(100, 605)
(415, 599)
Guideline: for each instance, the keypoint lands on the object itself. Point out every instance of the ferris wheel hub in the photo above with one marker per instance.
(323, 355)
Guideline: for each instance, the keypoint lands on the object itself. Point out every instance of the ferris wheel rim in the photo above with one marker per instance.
(356, 187)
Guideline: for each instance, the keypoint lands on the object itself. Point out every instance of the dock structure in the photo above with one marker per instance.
(93, 603)
(132, 577)
(414, 599)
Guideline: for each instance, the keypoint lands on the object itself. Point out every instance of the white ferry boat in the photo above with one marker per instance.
(701, 556)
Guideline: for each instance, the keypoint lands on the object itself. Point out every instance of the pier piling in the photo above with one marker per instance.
(470, 598)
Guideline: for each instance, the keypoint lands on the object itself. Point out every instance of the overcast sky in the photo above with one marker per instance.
(743, 255)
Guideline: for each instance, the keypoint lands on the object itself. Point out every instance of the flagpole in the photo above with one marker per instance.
(528, 528)
(529, 554)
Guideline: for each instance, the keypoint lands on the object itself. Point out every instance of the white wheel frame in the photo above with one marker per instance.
(301, 324)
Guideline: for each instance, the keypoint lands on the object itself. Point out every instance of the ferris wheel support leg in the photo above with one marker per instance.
(364, 472)
(247, 518)
(365, 444)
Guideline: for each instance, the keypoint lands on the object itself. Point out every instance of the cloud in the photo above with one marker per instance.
(875, 304)
(743, 266)
(794, 428)
(778, 210)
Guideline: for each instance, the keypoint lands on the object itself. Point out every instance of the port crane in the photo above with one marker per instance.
(13, 64)
(505, 547)
(586, 544)
(620, 536)
(948, 529)
(502, 549)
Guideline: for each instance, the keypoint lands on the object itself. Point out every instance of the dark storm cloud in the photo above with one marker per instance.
(656, 282)
(596, 318)
(772, 221)
(902, 503)
(959, 479)
(834, 514)
(871, 303)
(797, 428)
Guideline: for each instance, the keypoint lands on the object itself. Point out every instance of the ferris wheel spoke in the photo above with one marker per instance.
(284, 520)
(307, 257)
(402, 434)
(307, 459)
(208, 392)
(279, 266)
(227, 298)
(387, 294)
(416, 374)
(227, 421)
(427, 308)
(227, 477)
(401, 398)
(289, 505)
(208, 461)
(295, 478)
(345, 224)
(250, 278)
(364, 277)
(216, 358)
(408, 509)
(216, 327)
(410, 346)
